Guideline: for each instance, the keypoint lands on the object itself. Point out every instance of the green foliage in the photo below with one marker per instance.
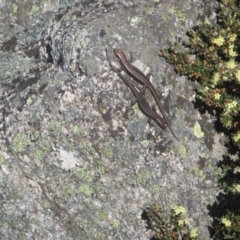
(170, 228)
(212, 58)
(227, 224)
(228, 227)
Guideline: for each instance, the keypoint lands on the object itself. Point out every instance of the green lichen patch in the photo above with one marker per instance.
(98, 188)
(81, 173)
(19, 142)
(56, 127)
(77, 129)
(107, 152)
(14, 8)
(66, 189)
(115, 223)
(182, 151)
(142, 177)
(43, 149)
(145, 143)
(198, 131)
(200, 174)
(34, 9)
(29, 100)
(155, 188)
(89, 146)
(137, 112)
(85, 189)
(102, 215)
(1, 159)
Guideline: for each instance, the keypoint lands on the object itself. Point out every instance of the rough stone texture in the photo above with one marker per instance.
(77, 161)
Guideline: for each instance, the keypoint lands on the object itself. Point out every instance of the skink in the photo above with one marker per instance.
(138, 76)
(143, 104)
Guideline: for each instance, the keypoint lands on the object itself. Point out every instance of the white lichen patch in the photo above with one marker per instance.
(67, 158)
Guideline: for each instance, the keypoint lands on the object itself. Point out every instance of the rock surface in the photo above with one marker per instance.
(76, 160)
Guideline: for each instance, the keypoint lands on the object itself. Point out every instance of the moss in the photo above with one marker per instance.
(197, 131)
(19, 142)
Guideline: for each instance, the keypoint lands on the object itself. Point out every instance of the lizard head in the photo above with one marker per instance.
(119, 54)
